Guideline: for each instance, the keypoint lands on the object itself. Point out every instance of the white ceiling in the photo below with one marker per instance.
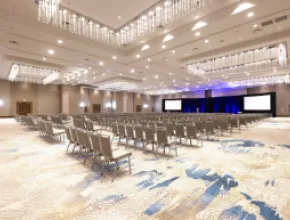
(107, 11)
(18, 22)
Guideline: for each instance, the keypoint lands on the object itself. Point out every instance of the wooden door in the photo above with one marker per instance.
(24, 108)
(96, 108)
(138, 108)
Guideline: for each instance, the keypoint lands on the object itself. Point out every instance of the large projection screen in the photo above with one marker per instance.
(172, 105)
(257, 103)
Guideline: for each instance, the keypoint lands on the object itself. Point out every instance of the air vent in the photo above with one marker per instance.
(282, 18)
(266, 23)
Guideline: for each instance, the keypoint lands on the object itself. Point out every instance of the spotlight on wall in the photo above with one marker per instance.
(1, 102)
(145, 106)
(108, 105)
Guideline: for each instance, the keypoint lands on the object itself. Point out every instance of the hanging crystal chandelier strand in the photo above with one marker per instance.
(248, 61)
(168, 11)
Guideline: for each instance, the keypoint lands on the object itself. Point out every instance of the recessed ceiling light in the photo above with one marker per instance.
(138, 56)
(163, 46)
(103, 74)
(243, 7)
(186, 54)
(173, 51)
(90, 68)
(119, 17)
(170, 74)
(156, 77)
(144, 79)
(101, 63)
(145, 47)
(173, 81)
(255, 26)
(147, 67)
(206, 41)
(250, 14)
(149, 60)
(51, 52)
(114, 57)
(60, 42)
(197, 34)
(120, 74)
(168, 37)
(132, 71)
(199, 25)
(44, 59)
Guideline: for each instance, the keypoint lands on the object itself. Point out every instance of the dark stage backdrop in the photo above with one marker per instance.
(228, 104)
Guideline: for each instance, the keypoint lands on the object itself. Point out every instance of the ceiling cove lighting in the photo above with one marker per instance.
(145, 47)
(160, 15)
(242, 7)
(51, 78)
(168, 37)
(199, 25)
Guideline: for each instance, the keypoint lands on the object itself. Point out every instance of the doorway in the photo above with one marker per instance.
(96, 108)
(24, 108)
(138, 108)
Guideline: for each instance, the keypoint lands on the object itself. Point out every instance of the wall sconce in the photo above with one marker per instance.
(108, 105)
(1, 103)
(82, 104)
(145, 106)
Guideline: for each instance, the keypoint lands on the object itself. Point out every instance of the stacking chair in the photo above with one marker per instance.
(210, 130)
(162, 141)
(150, 138)
(224, 126)
(74, 138)
(113, 156)
(130, 135)
(169, 129)
(96, 147)
(140, 135)
(243, 121)
(53, 132)
(115, 130)
(69, 137)
(234, 124)
(191, 133)
(87, 144)
(80, 138)
(122, 133)
(179, 132)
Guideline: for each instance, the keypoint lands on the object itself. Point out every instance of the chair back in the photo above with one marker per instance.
(130, 132)
(74, 135)
(122, 131)
(169, 129)
(179, 130)
(162, 136)
(106, 147)
(139, 132)
(199, 126)
(68, 134)
(191, 131)
(115, 129)
(209, 127)
(96, 145)
(80, 137)
(149, 133)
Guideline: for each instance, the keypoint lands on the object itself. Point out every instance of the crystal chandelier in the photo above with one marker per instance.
(259, 81)
(47, 10)
(255, 60)
(167, 11)
(31, 74)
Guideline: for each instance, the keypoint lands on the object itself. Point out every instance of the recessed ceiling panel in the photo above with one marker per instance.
(107, 12)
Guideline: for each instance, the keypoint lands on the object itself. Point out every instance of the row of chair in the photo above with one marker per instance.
(100, 147)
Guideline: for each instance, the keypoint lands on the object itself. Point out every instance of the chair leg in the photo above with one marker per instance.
(68, 146)
(129, 164)
(176, 153)
(94, 155)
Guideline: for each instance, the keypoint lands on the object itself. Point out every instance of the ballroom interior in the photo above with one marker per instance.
(152, 110)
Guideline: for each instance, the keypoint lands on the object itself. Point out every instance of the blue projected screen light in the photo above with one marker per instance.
(257, 103)
(172, 105)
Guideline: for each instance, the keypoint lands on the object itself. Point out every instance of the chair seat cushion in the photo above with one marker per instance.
(120, 154)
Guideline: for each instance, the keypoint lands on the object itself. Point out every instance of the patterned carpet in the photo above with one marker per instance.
(244, 176)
